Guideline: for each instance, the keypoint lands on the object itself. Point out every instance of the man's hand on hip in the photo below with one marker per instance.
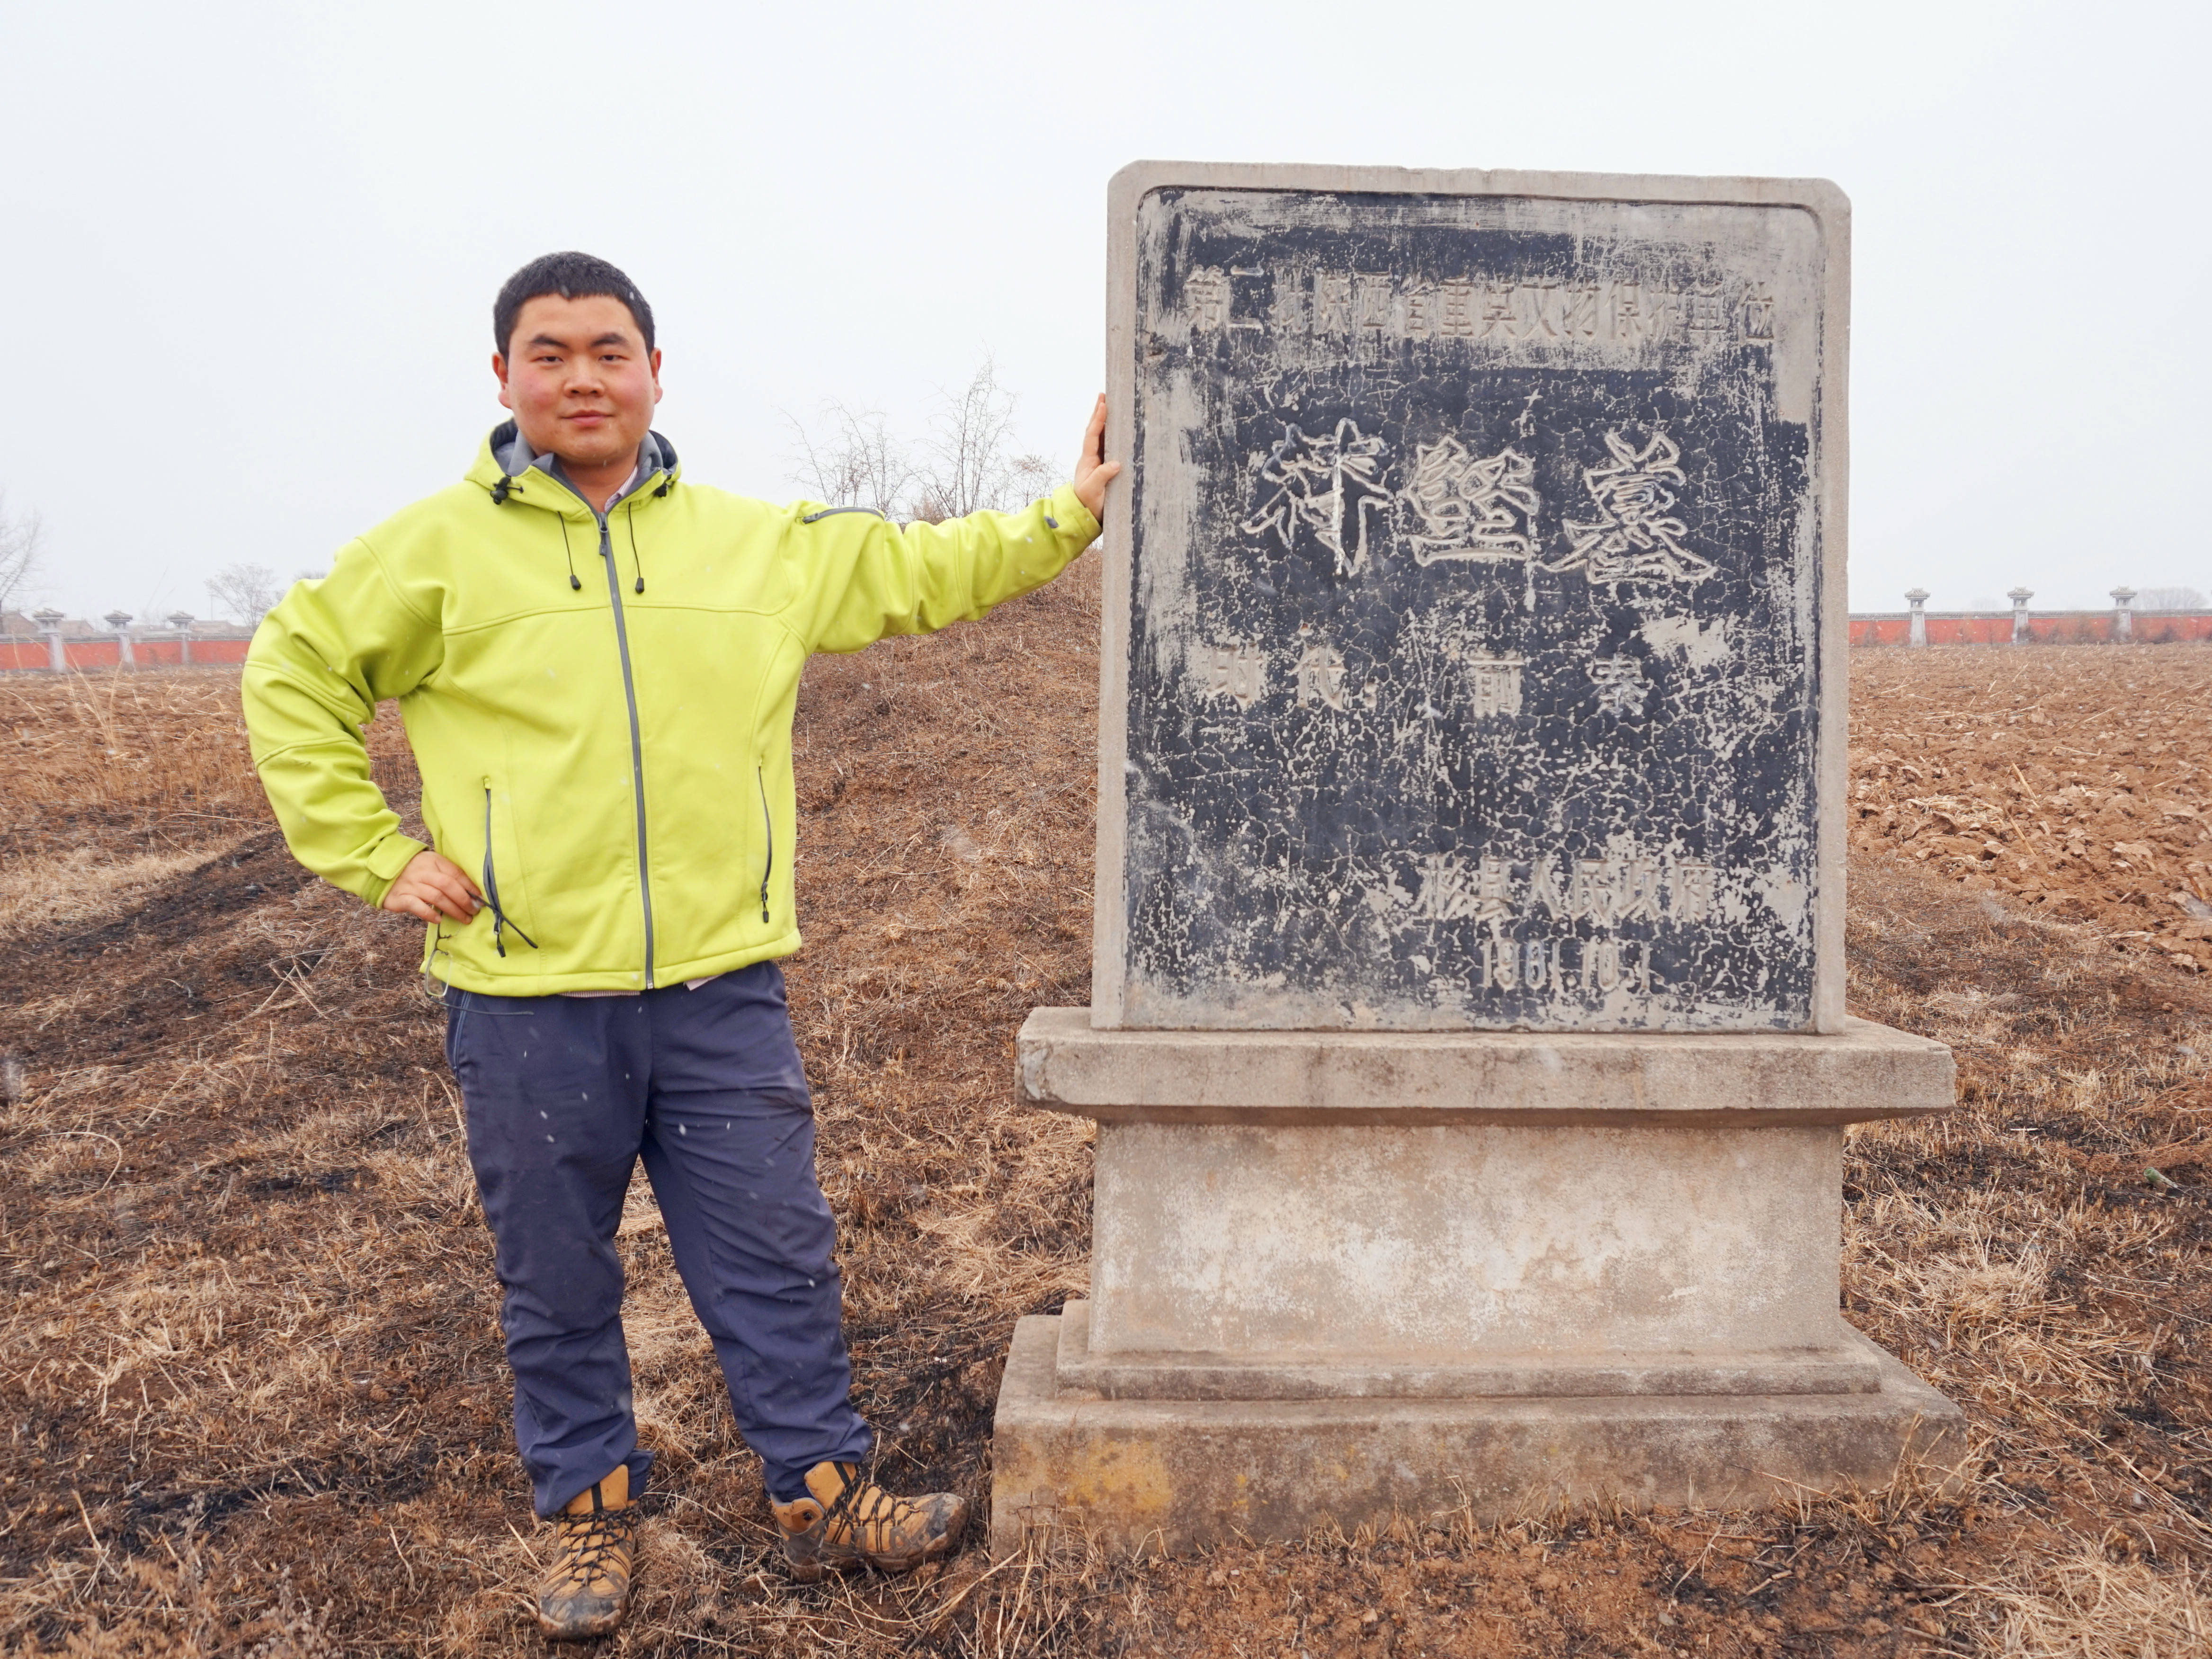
(431, 886)
(1093, 471)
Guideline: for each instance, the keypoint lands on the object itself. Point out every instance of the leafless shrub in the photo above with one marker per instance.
(853, 458)
(1029, 476)
(22, 536)
(972, 470)
(968, 468)
(2171, 598)
(246, 591)
(858, 462)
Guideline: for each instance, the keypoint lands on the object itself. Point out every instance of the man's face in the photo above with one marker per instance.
(579, 379)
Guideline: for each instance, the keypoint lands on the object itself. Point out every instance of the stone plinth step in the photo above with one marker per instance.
(1171, 1475)
(1425, 1079)
(1845, 1368)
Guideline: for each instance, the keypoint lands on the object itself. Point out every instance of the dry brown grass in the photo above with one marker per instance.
(247, 1346)
(123, 763)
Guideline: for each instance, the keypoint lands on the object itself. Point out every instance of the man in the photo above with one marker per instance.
(597, 663)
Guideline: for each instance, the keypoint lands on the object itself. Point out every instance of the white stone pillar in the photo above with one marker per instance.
(120, 621)
(50, 625)
(182, 622)
(2019, 597)
(1918, 598)
(2124, 614)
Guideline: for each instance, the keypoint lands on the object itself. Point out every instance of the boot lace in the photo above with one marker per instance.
(591, 1543)
(872, 1514)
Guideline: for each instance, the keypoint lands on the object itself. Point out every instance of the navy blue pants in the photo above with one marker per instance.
(564, 1095)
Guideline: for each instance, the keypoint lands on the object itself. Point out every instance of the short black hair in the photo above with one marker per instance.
(573, 276)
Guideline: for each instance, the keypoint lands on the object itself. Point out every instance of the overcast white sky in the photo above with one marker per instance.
(247, 253)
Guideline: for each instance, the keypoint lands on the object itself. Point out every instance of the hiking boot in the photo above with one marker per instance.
(586, 1592)
(846, 1522)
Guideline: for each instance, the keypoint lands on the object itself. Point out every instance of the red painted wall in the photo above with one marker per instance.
(106, 653)
(2055, 627)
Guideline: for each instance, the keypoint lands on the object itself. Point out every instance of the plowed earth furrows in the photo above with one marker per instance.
(2076, 779)
(249, 1360)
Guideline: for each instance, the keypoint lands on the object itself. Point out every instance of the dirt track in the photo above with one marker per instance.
(247, 1349)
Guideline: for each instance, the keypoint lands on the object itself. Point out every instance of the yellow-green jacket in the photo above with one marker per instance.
(600, 705)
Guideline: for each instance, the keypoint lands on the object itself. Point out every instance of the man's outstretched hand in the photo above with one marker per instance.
(1093, 471)
(431, 886)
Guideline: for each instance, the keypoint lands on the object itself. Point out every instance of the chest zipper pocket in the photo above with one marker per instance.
(499, 923)
(768, 825)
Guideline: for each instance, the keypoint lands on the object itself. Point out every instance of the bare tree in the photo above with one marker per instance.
(246, 591)
(19, 541)
(968, 468)
(856, 463)
(855, 459)
(2170, 599)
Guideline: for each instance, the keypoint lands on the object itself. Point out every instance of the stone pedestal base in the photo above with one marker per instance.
(1337, 1276)
(1171, 1475)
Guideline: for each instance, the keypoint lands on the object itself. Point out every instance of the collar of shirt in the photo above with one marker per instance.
(522, 455)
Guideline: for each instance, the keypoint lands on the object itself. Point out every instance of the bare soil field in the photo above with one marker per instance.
(2076, 779)
(249, 1362)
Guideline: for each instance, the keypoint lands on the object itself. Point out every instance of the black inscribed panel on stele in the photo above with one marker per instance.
(1472, 672)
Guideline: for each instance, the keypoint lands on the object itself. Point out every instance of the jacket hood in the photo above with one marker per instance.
(504, 461)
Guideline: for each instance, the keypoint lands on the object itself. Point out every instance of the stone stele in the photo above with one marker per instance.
(1474, 649)
(1467, 1044)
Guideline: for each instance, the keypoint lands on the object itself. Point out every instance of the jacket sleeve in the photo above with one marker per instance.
(863, 578)
(319, 664)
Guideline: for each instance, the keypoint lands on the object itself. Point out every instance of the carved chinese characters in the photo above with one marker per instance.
(1325, 487)
(1499, 309)
(1632, 537)
(1469, 507)
(1473, 611)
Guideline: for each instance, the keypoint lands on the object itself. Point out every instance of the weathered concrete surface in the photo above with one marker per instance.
(1474, 631)
(1171, 1476)
(1404, 1203)
(1862, 1070)
(1081, 1369)
(1467, 1042)
(1445, 1245)
(1347, 1269)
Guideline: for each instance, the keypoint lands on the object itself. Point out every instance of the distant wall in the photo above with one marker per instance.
(2054, 627)
(106, 653)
